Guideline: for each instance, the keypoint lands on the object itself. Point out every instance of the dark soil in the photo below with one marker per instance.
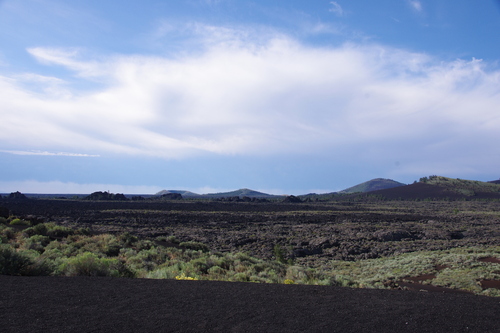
(490, 259)
(59, 304)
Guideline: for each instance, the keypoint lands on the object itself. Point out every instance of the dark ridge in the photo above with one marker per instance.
(421, 191)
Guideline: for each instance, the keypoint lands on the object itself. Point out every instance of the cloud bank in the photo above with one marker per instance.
(266, 97)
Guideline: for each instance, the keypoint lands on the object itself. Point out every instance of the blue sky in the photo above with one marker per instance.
(285, 97)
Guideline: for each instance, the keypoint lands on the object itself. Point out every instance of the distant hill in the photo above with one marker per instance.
(373, 185)
(185, 194)
(244, 192)
(369, 186)
(436, 188)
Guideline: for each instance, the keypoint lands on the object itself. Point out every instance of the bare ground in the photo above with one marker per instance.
(84, 304)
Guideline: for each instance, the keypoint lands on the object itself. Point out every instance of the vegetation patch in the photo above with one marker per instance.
(49, 249)
(367, 243)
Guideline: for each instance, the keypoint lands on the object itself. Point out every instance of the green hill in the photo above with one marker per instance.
(464, 187)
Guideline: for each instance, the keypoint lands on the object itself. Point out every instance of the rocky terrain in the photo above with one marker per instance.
(304, 232)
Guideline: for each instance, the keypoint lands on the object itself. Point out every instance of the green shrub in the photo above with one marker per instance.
(279, 254)
(19, 222)
(3, 220)
(172, 239)
(37, 243)
(54, 250)
(27, 263)
(163, 273)
(54, 230)
(39, 229)
(3, 238)
(144, 245)
(49, 229)
(184, 277)
(216, 271)
(127, 239)
(194, 246)
(7, 233)
(11, 262)
(112, 249)
(102, 245)
(145, 260)
(200, 265)
(39, 265)
(170, 271)
(89, 264)
(240, 277)
(83, 231)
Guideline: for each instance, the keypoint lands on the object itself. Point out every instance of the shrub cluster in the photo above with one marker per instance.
(50, 249)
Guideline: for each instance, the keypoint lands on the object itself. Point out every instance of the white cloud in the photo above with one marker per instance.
(322, 28)
(336, 8)
(272, 96)
(45, 86)
(45, 153)
(67, 57)
(416, 5)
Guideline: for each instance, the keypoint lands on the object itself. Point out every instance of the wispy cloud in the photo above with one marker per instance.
(267, 97)
(211, 2)
(336, 8)
(416, 5)
(322, 28)
(45, 153)
(67, 57)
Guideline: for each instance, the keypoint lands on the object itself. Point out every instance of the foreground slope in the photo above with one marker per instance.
(56, 304)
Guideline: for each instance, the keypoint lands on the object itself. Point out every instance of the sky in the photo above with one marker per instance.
(284, 97)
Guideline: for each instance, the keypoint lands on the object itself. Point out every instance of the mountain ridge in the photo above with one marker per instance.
(427, 187)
